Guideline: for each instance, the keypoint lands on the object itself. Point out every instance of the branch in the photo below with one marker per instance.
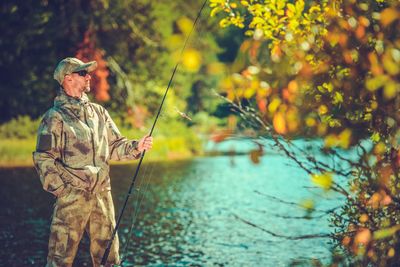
(296, 204)
(311, 236)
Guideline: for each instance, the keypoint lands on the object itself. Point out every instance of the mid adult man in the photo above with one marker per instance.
(76, 140)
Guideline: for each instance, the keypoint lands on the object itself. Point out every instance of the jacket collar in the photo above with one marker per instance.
(75, 104)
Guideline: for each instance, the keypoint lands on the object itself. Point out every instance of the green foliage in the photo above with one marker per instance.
(22, 127)
(140, 40)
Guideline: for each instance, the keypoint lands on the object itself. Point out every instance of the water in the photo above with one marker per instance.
(190, 215)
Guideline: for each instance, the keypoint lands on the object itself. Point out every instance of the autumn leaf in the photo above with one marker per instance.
(273, 106)
(363, 236)
(184, 24)
(255, 155)
(191, 60)
(345, 138)
(323, 109)
(307, 204)
(391, 253)
(388, 15)
(386, 232)
(390, 90)
(323, 180)
(279, 123)
(221, 136)
(262, 105)
(363, 218)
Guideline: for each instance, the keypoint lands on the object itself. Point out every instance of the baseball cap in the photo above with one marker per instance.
(69, 65)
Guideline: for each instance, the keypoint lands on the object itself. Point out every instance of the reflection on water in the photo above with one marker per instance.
(186, 216)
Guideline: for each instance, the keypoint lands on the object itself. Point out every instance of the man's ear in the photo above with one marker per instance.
(67, 77)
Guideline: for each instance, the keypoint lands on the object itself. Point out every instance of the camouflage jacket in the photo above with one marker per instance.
(76, 139)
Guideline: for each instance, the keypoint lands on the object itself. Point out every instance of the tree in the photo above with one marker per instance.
(135, 43)
(329, 70)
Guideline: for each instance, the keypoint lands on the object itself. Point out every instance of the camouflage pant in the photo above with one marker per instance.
(74, 212)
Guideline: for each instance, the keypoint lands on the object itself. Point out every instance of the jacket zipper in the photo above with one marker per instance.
(93, 147)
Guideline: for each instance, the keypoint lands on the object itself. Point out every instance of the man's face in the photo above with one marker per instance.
(81, 80)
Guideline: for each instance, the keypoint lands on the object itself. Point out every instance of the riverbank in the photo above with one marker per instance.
(18, 152)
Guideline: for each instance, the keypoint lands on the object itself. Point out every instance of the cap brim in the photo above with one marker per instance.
(90, 66)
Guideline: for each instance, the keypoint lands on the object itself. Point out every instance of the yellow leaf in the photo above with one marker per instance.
(391, 253)
(214, 11)
(337, 98)
(390, 90)
(323, 180)
(273, 106)
(389, 65)
(249, 92)
(184, 24)
(323, 109)
(299, 6)
(375, 137)
(374, 105)
(375, 83)
(307, 204)
(191, 60)
(345, 138)
(330, 140)
(386, 232)
(310, 122)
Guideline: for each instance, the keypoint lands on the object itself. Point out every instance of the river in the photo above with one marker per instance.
(192, 213)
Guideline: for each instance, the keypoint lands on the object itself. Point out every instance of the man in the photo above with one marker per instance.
(76, 140)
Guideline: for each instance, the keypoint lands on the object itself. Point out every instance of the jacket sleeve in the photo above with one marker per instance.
(120, 147)
(47, 155)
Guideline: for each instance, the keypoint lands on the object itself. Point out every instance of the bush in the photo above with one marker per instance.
(22, 127)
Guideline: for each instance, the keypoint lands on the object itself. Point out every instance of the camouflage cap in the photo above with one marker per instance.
(69, 65)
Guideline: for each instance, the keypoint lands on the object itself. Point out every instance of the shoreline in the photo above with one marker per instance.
(27, 164)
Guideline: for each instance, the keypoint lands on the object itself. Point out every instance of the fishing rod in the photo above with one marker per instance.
(109, 244)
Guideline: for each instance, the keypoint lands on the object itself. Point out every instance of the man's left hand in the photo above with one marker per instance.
(146, 143)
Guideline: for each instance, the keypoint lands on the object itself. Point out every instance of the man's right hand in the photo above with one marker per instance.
(146, 143)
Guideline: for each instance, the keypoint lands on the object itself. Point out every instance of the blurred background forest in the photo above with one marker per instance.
(136, 44)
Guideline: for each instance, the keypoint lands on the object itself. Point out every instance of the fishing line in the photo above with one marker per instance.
(135, 215)
(140, 195)
(109, 243)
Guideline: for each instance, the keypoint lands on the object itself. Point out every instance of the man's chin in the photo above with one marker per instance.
(87, 89)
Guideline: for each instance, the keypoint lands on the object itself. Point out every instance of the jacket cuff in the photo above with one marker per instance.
(134, 149)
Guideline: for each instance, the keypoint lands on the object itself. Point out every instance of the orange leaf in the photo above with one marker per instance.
(279, 123)
(363, 236)
(221, 136)
(255, 156)
(388, 15)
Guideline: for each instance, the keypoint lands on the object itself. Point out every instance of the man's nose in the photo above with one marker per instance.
(88, 77)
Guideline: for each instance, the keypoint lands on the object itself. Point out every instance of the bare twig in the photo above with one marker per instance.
(300, 237)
